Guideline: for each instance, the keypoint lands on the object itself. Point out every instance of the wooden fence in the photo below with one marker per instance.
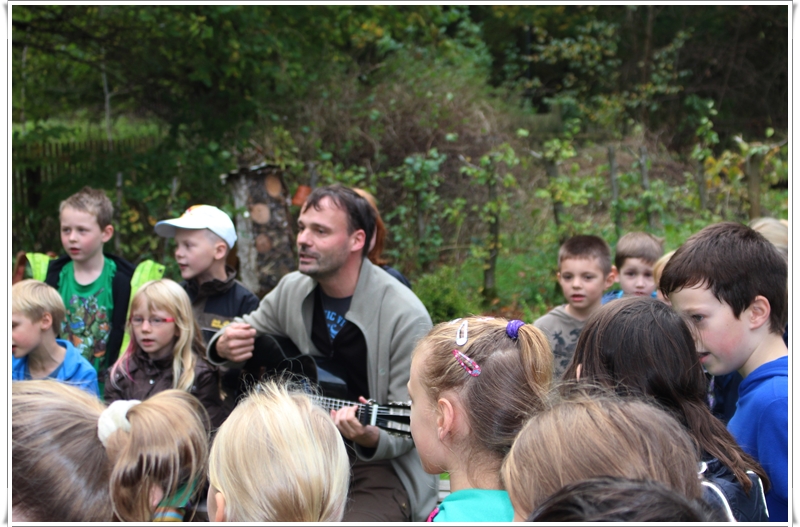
(36, 165)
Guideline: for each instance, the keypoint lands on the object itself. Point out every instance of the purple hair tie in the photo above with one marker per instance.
(512, 329)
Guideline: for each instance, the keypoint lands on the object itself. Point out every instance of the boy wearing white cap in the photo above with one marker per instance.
(204, 235)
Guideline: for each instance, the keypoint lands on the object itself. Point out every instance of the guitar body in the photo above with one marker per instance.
(275, 356)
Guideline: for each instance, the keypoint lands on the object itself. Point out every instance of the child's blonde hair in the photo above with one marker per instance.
(33, 299)
(659, 266)
(62, 472)
(93, 201)
(166, 295)
(280, 458)
(775, 231)
(514, 374)
(589, 433)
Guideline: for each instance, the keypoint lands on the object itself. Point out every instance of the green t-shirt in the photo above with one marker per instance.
(89, 311)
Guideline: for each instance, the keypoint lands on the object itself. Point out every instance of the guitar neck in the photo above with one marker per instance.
(393, 418)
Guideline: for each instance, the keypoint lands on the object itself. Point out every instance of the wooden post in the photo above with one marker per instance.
(754, 184)
(646, 186)
(612, 171)
(551, 169)
(245, 246)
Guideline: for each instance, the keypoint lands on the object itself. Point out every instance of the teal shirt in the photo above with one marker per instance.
(475, 505)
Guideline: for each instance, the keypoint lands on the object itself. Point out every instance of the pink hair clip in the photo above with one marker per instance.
(469, 365)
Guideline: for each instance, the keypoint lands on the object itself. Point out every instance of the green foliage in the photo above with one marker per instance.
(446, 295)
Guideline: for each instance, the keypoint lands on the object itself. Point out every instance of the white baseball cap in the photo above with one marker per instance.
(200, 217)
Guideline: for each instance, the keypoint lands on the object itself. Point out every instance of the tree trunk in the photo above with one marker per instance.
(489, 283)
(754, 185)
(245, 247)
(612, 173)
(551, 169)
(646, 186)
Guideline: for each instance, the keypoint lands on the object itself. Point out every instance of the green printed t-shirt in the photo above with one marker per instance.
(89, 310)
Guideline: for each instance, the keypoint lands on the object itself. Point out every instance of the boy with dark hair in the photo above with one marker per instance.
(204, 235)
(731, 282)
(96, 287)
(584, 272)
(636, 254)
(37, 312)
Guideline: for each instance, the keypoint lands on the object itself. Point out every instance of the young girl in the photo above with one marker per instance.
(474, 382)
(74, 460)
(641, 347)
(166, 351)
(277, 458)
(586, 433)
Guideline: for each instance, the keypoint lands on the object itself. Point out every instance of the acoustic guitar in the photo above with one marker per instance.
(276, 356)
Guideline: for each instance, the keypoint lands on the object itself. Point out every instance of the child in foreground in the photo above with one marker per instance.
(75, 460)
(277, 458)
(642, 348)
(473, 383)
(587, 433)
(636, 254)
(36, 315)
(165, 352)
(731, 282)
(584, 272)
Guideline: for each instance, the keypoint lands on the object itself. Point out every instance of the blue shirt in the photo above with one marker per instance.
(74, 370)
(761, 427)
(475, 505)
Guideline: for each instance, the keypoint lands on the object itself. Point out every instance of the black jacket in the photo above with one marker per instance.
(217, 302)
(728, 495)
(120, 292)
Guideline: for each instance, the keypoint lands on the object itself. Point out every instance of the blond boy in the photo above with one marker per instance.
(36, 312)
(204, 235)
(584, 272)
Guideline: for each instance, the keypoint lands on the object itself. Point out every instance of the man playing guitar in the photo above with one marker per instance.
(365, 324)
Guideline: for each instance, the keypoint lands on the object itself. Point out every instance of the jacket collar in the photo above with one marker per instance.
(213, 287)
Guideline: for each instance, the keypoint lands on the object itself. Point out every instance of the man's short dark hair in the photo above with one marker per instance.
(737, 264)
(586, 247)
(613, 499)
(360, 214)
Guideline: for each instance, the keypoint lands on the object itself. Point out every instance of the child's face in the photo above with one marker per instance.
(81, 235)
(722, 338)
(583, 282)
(424, 426)
(194, 254)
(636, 277)
(153, 333)
(26, 335)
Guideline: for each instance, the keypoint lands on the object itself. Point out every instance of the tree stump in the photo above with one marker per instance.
(266, 246)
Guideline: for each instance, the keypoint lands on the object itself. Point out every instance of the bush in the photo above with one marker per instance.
(446, 295)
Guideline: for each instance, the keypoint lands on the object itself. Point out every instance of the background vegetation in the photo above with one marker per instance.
(484, 131)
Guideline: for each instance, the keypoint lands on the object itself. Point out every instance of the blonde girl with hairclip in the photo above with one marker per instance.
(474, 382)
(166, 351)
(74, 460)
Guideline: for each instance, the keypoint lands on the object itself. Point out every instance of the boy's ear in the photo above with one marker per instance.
(759, 312)
(612, 277)
(220, 250)
(446, 419)
(107, 232)
(46, 322)
(219, 515)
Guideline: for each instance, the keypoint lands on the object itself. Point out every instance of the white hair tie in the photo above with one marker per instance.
(113, 418)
